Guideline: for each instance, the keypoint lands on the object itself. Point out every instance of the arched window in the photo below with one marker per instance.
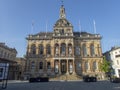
(5, 55)
(84, 48)
(92, 51)
(86, 66)
(77, 50)
(41, 49)
(48, 49)
(62, 31)
(56, 49)
(1, 53)
(33, 49)
(48, 65)
(69, 49)
(33, 65)
(94, 66)
(63, 49)
(41, 65)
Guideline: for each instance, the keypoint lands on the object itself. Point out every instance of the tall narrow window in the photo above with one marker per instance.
(70, 49)
(41, 49)
(48, 49)
(63, 49)
(33, 65)
(92, 51)
(62, 31)
(94, 66)
(56, 49)
(77, 50)
(86, 66)
(48, 65)
(1, 53)
(84, 48)
(33, 49)
(41, 65)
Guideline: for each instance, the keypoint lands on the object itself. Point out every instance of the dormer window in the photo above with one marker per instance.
(62, 31)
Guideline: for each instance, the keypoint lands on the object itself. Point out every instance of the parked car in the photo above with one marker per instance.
(89, 79)
(115, 80)
(39, 79)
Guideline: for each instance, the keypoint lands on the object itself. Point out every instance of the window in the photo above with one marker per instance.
(92, 51)
(62, 31)
(5, 55)
(48, 49)
(33, 65)
(56, 49)
(77, 50)
(69, 49)
(84, 50)
(33, 49)
(94, 66)
(48, 65)
(86, 65)
(63, 49)
(41, 49)
(41, 65)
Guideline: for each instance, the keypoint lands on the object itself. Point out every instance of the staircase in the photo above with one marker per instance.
(66, 77)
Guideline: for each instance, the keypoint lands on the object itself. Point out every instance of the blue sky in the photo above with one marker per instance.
(16, 17)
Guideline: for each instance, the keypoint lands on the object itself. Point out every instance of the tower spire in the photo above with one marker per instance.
(62, 11)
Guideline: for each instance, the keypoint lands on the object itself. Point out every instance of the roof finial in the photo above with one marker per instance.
(62, 11)
(62, 2)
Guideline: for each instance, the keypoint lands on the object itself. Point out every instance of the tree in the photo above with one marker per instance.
(105, 66)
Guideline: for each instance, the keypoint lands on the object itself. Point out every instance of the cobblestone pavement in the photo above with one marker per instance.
(64, 85)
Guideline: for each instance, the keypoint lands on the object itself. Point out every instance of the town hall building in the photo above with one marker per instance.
(63, 53)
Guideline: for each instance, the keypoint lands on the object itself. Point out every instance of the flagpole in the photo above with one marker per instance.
(32, 27)
(94, 26)
(80, 28)
(46, 29)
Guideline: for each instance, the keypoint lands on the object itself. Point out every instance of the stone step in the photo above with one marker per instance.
(67, 77)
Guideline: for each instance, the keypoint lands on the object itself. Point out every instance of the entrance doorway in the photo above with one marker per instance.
(63, 66)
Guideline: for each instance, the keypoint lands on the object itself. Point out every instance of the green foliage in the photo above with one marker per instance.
(105, 66)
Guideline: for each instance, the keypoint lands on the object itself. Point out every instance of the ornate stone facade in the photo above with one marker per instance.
(8, 55)
(63, 52)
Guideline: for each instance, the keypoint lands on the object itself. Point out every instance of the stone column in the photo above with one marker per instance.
(73, 50)
(59, 50)
(53, 65)
(73, 63)
(29, 49)
(44, 53)
(100, 50)
(66, 50)
(59, 66)
(67, 67)
(53, 50)
(88, 49)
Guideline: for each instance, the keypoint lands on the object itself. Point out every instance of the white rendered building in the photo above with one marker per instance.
(114, 57)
